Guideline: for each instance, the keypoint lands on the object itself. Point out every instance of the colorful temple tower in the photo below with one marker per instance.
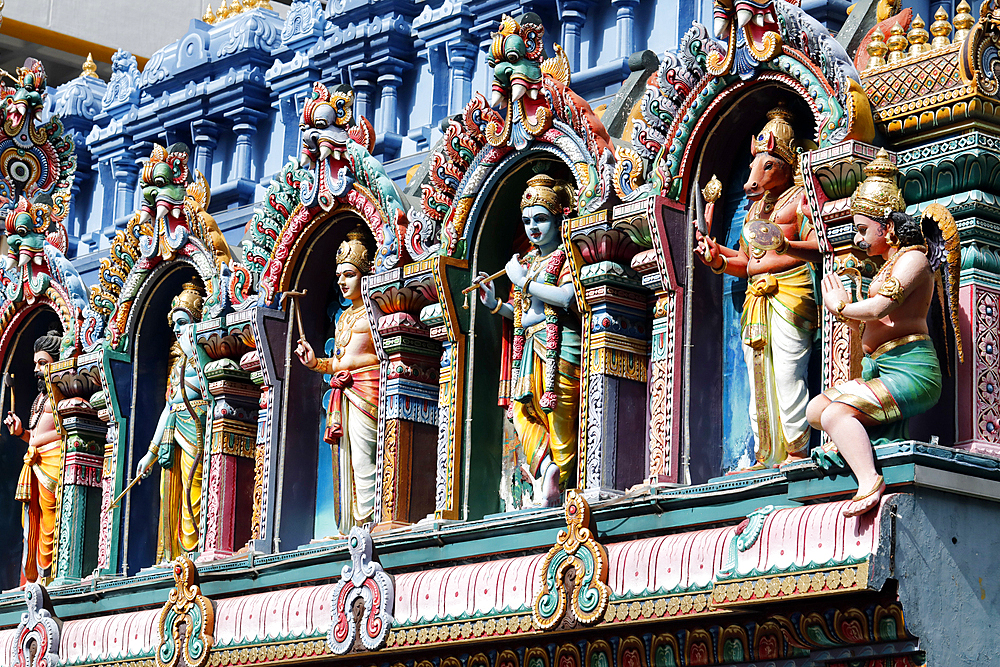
(492, 334)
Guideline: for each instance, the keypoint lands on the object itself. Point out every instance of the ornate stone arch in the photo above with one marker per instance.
(335, 173)
(693, 84)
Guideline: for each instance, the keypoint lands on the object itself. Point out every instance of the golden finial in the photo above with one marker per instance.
(223, 12)
(940, 29)
(90, 67)
(876, 50)
(964, 21)
(209, 16)
(265, 4)
(235, 7)
(918, 37)
(897, 44)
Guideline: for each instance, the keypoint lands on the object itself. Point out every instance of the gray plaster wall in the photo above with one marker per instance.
(138, 26)
(946, 552)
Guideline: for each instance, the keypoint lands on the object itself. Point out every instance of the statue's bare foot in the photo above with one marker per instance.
(795, 457)
(862, 502)
(550, 486)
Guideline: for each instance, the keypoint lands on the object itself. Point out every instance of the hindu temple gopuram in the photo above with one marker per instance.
(507, 333)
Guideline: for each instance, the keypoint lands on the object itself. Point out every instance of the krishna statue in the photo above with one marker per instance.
(542, 366)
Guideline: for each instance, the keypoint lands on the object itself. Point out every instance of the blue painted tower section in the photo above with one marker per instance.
(233, 92)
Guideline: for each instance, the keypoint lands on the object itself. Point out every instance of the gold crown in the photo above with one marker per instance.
(553, 194)
(354, 251)
(878, 195)
(777, 136)
(190, 300)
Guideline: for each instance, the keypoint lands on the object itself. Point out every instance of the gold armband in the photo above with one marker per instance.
(892, 288)
(496, 309)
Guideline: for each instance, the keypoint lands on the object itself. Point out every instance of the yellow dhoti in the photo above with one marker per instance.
(180, 482)
(541, 432)
(36, 488)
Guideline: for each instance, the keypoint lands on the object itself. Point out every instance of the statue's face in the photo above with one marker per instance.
(349, 281)
(869, 235)
(42, 359)
(540, 224)
(180, 320)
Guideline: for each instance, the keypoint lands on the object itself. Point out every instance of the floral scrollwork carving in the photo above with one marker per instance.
(39, 627)
(364, 586)
(185, 608)
(584, 590)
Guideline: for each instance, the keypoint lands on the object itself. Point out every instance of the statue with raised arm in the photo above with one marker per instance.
(36, 486)
(901, 376)
(178, 443)
(544, 358)
(779, 313)
(352, 413)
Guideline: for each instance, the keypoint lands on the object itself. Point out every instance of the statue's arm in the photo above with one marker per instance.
(560, 296)
(807, 249)
(907, 274)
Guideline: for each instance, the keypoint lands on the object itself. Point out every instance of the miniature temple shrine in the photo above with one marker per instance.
(507, 334)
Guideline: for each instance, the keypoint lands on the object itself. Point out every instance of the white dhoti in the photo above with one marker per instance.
(352, 429)
(779, 316)
(357, 466)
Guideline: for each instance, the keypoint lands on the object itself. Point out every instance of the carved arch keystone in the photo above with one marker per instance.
(586, 594)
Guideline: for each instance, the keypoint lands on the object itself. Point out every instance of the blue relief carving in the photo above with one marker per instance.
(304, 20)
(258, 29)
(80, 97)
(123, 89)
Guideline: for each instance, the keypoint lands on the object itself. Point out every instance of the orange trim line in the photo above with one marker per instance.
(46, 37)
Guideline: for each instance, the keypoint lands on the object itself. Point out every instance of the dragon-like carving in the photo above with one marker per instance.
(172, 220)
(176, 205)
(36, 159)
(750, 31)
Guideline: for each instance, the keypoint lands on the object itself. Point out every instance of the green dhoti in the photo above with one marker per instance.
(900, 379)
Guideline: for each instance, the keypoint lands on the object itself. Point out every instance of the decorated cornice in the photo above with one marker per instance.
(186, 623)
(36, 642)
(778, 554)
(936, 86)
(336, 170)
(173, 223)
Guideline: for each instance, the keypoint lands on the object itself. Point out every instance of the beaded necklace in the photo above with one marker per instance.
(345, 327)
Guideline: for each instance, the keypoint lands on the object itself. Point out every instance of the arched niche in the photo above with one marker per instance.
(716, 355)
(31, 323)
(141, 389)
(498, 234)
(307, 490)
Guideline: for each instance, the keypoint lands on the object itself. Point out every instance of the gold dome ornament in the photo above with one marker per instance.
(354, 251)
(878, 195)
(209, 16)
(223, 12)
(940, 29)
(876, 50)
(917, 37)
(90, 67)
(897, 44)
(964, 20)
(777, 136)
